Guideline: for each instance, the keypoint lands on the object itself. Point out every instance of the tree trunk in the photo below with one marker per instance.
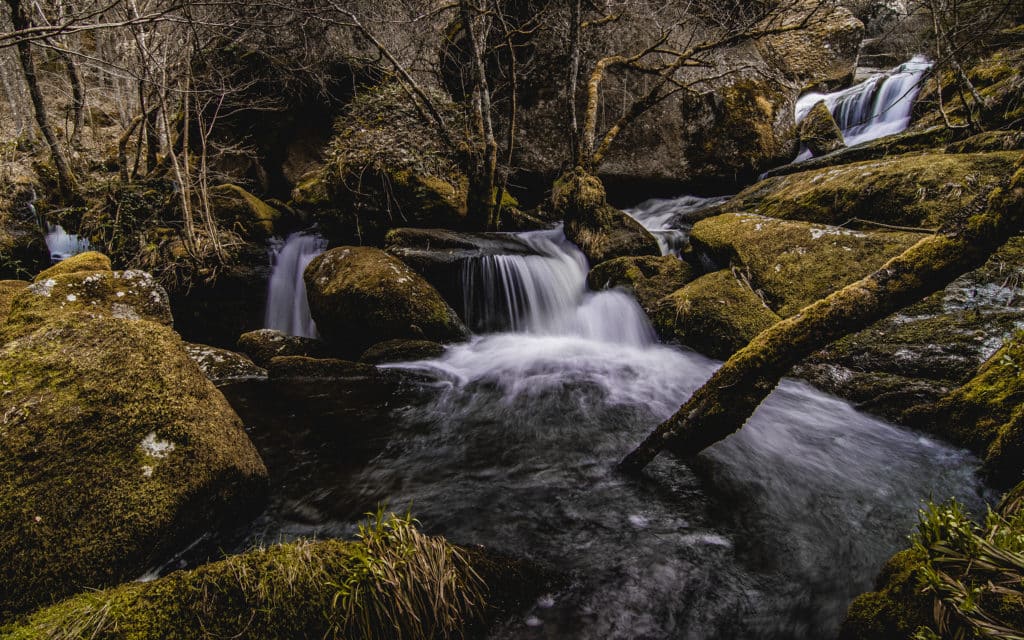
(77, 97)
(575, 26)
(65, 178)
(727, 400)
(483, 173)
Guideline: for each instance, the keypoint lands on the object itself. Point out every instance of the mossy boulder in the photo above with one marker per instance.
(819, 131)
(8, 290)
(116, 452)
(894, 611)
(222, 366)
(89, 261)
(716, 314)
(402, 351)
(130, 295)
(795, 263)
(244, 213)
(650, 278)
(263, 344)
(360, 296)
(914, 190)
(600, 230)
(324, 368)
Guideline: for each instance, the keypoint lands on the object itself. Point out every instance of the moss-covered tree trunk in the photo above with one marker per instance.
(727, 400)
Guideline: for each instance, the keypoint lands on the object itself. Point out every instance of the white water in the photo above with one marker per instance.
(669, 219)
(880, 106)
(287, 307)
(62, 245)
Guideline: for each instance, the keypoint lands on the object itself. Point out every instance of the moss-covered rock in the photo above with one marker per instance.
(650, 278)
(600, 230)
(715, 314)
(917, 191)
(131, 295)
(8, 290)
(116, 452)
(244, 213)
(894, 611)
(305, 367)
(360, 296)
(222, 366)
(989, 141)
(392, 582)
(796, 263)
(88, 261)
(819, 131)
(263, 344)
(401, 351)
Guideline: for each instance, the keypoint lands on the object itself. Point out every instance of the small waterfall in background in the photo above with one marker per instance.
(287, 307)
(669, 220)
(880, 106)
(62, 245)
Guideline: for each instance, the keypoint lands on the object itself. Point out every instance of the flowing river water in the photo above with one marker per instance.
(510, 441)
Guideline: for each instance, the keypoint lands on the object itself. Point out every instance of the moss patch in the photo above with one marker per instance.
(8, 290)
(116, 451)
(796, 263)
(360, 296)
(243, 212)
(87, 261)
(919, 191)
(715, 314)
(401, 351)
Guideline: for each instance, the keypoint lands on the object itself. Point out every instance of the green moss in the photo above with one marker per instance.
(116, 451)
(83, 262)
(119, 294)
(715, 314)
(311, 193)
(893, 612)
(392, 582)
(243, 212)
(796, 263)
(360, 296)
(918, 191)
(650, 278)
(8, 290)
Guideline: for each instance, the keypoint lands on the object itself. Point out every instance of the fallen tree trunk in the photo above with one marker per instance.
(726, 401)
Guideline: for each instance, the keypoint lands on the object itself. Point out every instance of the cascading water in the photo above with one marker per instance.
(880, 106)
(62, 245)
(510, 441)
(287, 307)
(669, 220)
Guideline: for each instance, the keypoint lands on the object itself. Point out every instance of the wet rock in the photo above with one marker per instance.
(716, 314)
(305, 367)
(650, 278)
(601, 231)
(264, 344)
(795, 263)
(222, 366)
(130, 295)
(819, 131)
(401, 351)
(915, 191)
(118, 452)
(360, 296)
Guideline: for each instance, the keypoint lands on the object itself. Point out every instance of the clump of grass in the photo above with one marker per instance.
(975, 573)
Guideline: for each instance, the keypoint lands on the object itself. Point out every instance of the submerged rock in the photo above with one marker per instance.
(915, 190)
(360, 296)
(601, 231)
(117, 452)
(796, 263)
(130, 295)
(819, 131)
(650, 278)
(264, 344)
(715, 314)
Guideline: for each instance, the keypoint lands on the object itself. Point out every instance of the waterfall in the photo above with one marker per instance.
(287, 307)
(880, 106)
(546, 294)
(62, 245)
(669, 220)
